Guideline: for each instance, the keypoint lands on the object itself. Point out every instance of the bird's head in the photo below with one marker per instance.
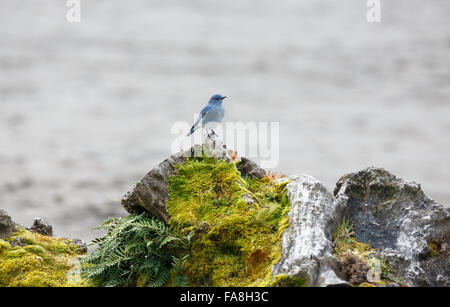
(217, 99)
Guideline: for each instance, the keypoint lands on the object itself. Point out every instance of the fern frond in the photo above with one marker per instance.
(135, 245)
(160, 279)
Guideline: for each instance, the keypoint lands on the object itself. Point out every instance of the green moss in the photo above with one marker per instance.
(367, 285)
(235, 243)
(4, 247)
(283, 280)
(42, 261)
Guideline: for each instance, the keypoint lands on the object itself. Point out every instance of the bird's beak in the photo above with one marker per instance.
(224, 97)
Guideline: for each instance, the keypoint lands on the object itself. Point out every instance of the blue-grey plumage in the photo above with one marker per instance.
(211, 115)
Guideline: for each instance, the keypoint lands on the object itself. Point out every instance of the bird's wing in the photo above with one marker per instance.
(202, 114)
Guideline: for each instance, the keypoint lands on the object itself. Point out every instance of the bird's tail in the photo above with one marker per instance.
(191, 131)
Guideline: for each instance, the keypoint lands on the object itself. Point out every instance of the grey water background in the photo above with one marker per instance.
(86, 108)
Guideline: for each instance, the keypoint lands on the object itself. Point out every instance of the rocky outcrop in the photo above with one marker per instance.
(411, 231)
(7, 226)
(42, 227)
(150, 194)
(248, 168)
(402, 234)
(407, 230)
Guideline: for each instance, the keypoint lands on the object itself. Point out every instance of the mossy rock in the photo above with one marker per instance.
(360, 263)
(235, 244)
(29, 259)
(395, 217)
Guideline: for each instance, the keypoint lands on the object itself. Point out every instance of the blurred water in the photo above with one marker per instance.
(86, 109)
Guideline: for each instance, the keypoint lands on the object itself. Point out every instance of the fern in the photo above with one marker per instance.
(137, 250)
(180, 280)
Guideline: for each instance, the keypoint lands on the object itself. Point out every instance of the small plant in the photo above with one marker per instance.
(137, 250)
(180, 280)
(343, 235)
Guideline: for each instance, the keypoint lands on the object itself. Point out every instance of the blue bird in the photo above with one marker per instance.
(211, 115)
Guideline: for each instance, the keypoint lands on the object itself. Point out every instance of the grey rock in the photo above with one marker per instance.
(250, 201)
(150, 194)
(409, 231)
(7, 226)
(80, 244)
(42, 227)
(248, 168)
(307, 249)
(18, 241)
(396, 216)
